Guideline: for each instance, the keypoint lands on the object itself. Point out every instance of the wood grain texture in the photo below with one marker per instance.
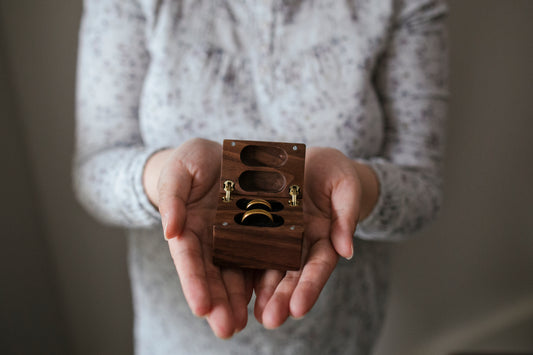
(292, 168)
(271, 168)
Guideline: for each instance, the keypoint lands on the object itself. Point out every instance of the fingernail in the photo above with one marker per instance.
(351, 255)
(164, 219)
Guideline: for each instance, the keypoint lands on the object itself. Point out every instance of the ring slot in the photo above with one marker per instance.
(275, 206)
(261, 202)
(256, 211)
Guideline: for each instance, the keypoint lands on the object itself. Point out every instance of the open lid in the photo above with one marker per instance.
(262, 168)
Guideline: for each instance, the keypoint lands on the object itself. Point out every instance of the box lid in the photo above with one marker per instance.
(262, 168)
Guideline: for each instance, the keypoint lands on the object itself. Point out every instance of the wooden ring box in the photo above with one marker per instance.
(259, 218)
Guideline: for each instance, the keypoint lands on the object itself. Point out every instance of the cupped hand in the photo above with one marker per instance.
(186, 194)
(332, 197)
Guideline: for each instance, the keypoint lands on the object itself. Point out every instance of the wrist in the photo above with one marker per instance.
(369, 189)
(152, 170)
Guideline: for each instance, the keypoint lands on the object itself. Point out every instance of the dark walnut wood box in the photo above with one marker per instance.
(259, 219)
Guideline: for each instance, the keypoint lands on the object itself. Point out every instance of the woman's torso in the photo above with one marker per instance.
(268, 70)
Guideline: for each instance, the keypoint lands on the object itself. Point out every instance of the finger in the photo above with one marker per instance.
(314, 275)
(265, 284)
(345, 197)
(173, 188)
(187, 257)
(248, 284)
(220, 318)
(236, 290)
(277, 309)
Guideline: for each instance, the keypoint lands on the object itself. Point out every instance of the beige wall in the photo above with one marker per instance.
(471, 272)
(460, 284)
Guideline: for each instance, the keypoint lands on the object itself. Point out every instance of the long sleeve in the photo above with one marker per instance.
(110, 154)
(411, 82)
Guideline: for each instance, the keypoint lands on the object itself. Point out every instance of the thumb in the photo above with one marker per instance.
(345, 198)
(174, 188)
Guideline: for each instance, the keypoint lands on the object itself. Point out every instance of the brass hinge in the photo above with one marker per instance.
(294, 191)
(228, 187)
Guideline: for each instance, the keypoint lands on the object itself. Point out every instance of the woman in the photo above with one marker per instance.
(161, 83)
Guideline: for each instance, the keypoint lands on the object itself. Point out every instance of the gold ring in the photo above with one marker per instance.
(259, 201)
(256, 211)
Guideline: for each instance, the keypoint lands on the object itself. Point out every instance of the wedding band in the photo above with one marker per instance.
(256, 212)
(259, 201)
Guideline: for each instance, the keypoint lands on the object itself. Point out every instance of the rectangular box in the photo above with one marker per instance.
(259, 220)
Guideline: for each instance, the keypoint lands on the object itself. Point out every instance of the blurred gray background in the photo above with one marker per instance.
(465, 283)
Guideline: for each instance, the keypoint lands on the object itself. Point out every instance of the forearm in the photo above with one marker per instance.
(109, 186)
(411, 80)
(409, 198)
(110, 151)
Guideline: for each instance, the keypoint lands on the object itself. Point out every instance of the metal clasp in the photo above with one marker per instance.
(228, 187)
(294, 191)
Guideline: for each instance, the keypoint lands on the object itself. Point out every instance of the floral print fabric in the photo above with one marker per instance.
(368, 77)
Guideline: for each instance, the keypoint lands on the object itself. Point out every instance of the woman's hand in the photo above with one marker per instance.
(337, 193)
(184, 184)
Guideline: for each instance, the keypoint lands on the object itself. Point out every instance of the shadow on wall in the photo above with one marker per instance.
(29, 299)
